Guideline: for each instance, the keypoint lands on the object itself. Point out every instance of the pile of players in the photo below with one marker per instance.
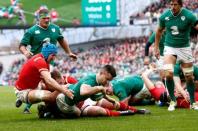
(90, 95)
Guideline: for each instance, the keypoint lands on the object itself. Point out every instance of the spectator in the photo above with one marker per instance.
(54, 15)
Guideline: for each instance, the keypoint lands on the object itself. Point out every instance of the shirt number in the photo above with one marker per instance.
(175, 30)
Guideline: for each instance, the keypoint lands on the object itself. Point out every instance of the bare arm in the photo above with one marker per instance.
(88, 90)
(109, 99)
(52, 83)
(179, 87)
(158, 35)
(25, 52)
(149, 84)
(66, 48)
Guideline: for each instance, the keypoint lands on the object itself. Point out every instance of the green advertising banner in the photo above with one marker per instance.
(99, 12)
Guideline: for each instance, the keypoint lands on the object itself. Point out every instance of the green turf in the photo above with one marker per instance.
(67, 9)
(12, 118)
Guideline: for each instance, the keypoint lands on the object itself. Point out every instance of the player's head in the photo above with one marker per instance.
(56, 75)
(49, 52)
(44, 18)
(107, 73)
(175, 6)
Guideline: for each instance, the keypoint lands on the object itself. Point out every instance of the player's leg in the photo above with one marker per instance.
(120, 106)
(98, 111)
(185, 55)
(65, 108)
(22, 96)
(169, 62)
(188, 73)
(27, 108)
(35, 96)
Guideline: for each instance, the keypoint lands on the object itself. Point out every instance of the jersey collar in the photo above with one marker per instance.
(177, 14)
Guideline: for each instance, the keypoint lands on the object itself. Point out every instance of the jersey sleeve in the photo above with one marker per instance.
(90, 82)
(26, 38)
(60, 35)
(162, 19)
(41, 65)
(193, 20)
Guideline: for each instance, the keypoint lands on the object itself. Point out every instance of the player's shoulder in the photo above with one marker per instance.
(188, 13)
(185, 10)
(166, 13)
(54, 25)
(38, 57)
(32, 28)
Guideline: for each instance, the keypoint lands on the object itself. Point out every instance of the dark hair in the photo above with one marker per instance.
(55, 74)
(110, 69)
(164, 97)
(180, 2)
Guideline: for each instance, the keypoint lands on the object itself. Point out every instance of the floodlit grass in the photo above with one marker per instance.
(67, 9)
(12, 118)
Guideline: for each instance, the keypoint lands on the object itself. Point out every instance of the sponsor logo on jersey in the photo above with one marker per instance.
(183, 18)
(53, 30)
(37, 32)
(167, 18)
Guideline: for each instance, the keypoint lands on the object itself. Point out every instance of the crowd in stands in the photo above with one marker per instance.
(1, 68)
(154, 10)
(126, 55)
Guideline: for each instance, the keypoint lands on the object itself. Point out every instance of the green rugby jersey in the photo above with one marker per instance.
(36, 34)
(89, 80)
(124, 87)
(177, 27)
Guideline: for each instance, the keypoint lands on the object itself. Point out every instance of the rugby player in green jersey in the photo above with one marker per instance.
(88, 107)
(179, 79)
(177, 21)
(91, 86)
(40, 33)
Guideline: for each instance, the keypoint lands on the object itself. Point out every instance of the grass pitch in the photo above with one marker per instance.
(12, 118)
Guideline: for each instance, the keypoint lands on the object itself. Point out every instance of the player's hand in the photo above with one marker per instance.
(69, 93)
(186, 96)
(28, 54)
(102, 89)
(116, 105)
(157, 53)
(73, 56)
(146, 60)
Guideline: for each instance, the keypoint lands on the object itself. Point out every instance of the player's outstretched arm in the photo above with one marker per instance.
(52, 83)
(179, 88)
(88, 90)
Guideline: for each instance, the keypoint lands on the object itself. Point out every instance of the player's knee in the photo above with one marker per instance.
(38, 95)
(188, 73)
(168, 71)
